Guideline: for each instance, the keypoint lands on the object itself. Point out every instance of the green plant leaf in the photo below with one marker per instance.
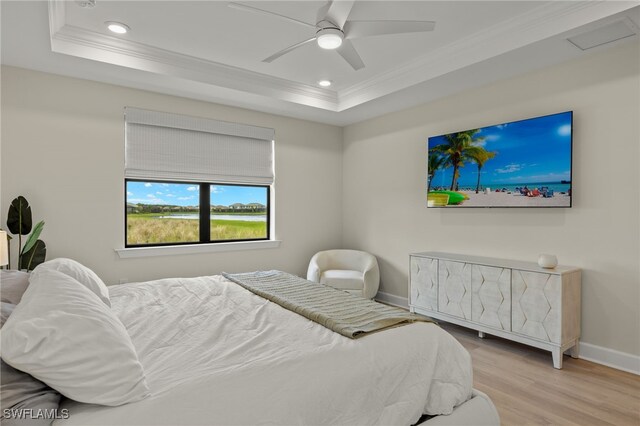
(19, 216)
(34, 257)
(33, 237)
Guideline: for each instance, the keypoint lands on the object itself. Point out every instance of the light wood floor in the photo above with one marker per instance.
(526, 388)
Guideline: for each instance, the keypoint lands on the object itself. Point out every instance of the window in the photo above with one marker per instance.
(161, 213)
(239, 213)
(191, 181)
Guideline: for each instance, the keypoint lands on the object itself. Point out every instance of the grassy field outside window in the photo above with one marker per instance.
(160, 213)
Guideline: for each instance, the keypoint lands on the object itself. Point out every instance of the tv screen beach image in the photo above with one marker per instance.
(524, 163)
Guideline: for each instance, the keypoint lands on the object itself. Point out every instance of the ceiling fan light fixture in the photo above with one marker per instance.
(117, 27)
(329, 38)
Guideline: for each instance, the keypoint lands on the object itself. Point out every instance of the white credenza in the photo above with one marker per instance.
(514, 300)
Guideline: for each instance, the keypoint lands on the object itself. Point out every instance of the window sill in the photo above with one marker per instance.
(126, 253)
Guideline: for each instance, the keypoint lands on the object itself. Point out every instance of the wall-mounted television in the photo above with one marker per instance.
(524, 163)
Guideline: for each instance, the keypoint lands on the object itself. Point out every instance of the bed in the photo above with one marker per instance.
(215, 353)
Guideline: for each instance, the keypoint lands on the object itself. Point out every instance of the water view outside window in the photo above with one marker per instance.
(171, 213)
(238, 212)
(162, 213)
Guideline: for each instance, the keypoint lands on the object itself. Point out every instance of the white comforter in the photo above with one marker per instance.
(214, 353)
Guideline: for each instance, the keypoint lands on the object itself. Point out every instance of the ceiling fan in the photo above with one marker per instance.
(334, 30)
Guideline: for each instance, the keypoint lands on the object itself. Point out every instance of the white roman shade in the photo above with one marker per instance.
(163, 146)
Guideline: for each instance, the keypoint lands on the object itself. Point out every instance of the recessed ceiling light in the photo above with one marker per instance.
(329, 38)
(325, 83)
(117, 27)
(86, 3)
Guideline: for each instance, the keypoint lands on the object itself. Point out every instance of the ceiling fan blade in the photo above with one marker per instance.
(356, 29)
(348, 52)
(287, 50)
(337, 12)
(244, 7)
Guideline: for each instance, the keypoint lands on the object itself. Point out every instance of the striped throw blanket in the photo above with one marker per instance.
(344, 313)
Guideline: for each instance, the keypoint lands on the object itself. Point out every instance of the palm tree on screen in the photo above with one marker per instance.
(480, 157)
(457, 148)
(435, 162)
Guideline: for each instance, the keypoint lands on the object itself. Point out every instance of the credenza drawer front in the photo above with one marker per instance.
(424, 283)
(454, 288)
(491, 296)
(536, 300)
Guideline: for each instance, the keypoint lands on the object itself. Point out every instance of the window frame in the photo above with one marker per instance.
(204, 201)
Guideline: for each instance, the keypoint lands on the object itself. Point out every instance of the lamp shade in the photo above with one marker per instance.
(4, 249)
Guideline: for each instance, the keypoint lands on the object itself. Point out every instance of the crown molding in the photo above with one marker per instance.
(57, 13)
(539, 23)
(92, 45)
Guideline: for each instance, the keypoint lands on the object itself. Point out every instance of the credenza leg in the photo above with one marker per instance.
(557, 358)
(481, 334)
(575, 351)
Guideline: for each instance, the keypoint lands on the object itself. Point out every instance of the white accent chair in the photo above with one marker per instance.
(353, 271)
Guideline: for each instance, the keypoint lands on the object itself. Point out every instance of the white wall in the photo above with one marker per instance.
(63, 149)
(385, 182)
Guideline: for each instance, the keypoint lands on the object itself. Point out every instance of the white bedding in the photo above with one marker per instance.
(214, 353)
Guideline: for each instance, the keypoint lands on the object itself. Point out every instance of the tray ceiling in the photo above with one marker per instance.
(209, 51)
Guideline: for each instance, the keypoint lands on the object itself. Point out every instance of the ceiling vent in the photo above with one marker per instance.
(603, 35)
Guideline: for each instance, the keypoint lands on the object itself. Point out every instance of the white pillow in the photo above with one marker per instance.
(79, 272)
(63, 335)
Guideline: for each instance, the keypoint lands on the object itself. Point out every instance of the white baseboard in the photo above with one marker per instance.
(610, 357)
(589, 352)
(390, 299)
